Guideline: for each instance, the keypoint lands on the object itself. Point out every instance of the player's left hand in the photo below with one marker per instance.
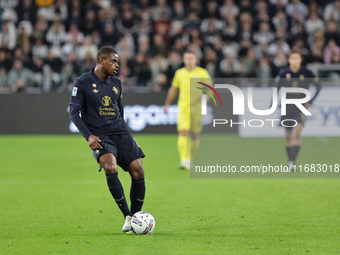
(307, 105)
(94, 142)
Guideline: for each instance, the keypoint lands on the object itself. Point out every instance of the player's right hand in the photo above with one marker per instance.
(166, 109)
(94, 142)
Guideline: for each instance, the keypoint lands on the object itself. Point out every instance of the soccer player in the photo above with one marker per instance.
(188, 109)
(96, 108)
(295, 76)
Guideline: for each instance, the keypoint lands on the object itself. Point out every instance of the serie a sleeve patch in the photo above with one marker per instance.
(74, 91)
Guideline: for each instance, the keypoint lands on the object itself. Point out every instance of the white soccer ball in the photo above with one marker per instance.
(142, 223)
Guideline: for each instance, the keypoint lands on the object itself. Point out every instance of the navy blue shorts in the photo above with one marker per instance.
(123, 147)
(296, 115)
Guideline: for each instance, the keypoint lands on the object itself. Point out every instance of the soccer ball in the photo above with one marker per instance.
(142, 223)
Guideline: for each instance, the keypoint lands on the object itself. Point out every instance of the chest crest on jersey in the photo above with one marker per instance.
(115, 90)
(302, 77)
(106, 100)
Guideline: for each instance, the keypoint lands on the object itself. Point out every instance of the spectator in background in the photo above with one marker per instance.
(39, 50)
(161, 9)
(179, 12)
(27, 53)
(4, 68)
(174, 61)
(21, 37)
(160, 47)
(90, 23)
(192, 22)
(54, 65)
(75, 34)
(144, 45)
(228, 8)
(332, 11)
(330, 50)
(5, 62)
(279, 61)
(314, 23)
(332, 33)
(229, 32)
(69, 73)
(264, 36)
(246, 7)
(40, 28)
(127, 22)
(109, 35)
(295, 6)
(8, 4)
(316, 56)
(27, 11)
(19, 77)
(88, 64)
(141, 70)
(211, 62)
(125, 66)
(245, 32)
(38, 69)
(248, 65)
(158, 65)
(87, 48)
(126, 45)
(245, 46)
(261, 50)
(229, 67)
(278, 44)
(8, 35)
(280, 20)
(56, 35)
(211, 34)
(75, 18)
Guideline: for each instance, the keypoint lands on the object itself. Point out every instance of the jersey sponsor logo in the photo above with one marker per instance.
(74, 91)
(94, 85)
(115, 90)
(95, 90)
(106, 100)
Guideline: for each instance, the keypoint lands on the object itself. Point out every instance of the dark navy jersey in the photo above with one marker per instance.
(301, 79)
(101, 104)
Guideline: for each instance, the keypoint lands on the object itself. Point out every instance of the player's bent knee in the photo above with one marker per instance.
(110, 168)
(184, 132)
(137, 170)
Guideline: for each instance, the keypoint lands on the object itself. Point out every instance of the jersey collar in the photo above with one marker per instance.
(97, 80)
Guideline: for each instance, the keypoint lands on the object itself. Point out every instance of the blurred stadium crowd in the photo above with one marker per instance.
(46, 44)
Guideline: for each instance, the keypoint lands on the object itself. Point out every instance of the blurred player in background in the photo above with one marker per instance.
(295, 76)
(189, 110)
(97, 111)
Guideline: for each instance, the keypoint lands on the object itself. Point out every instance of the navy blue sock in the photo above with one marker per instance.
(137, 194)
(117, 192)
(295, 150)
(290, 153)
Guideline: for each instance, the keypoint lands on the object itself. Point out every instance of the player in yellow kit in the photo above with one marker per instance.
(189, 108)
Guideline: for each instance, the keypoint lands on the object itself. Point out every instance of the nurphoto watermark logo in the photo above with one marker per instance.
(239, 102)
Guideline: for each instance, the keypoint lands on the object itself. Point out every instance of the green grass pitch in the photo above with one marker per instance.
(54, 201)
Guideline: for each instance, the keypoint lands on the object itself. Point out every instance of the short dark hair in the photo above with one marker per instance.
(190, 52)
(296, 52)
(105, 51)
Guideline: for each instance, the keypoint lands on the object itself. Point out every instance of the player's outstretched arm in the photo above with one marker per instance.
(170, 97)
